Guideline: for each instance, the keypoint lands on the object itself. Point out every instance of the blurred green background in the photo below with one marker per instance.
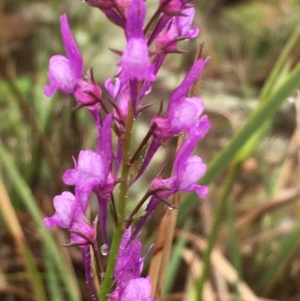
(249, 86)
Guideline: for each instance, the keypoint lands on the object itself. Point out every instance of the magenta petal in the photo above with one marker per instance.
(201, 190)
(102, 203)
(184, 23)
(64, 205)
(189, 79)
(84, 90)
(49, 90)
(135, 19)
(90, 166)
(194, 169)
(185, 114)
(71, 48)
(196, 133)
(113, 86)
(138, 289)
(105, 145)
(135, 61)
(129, 263)
(60, 75)
(86, 255)
(71, 176)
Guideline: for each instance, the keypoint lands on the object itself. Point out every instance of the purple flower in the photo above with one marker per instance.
(138, 289)
(185, 179)
(135, 62)
(65, 72)
(128, 270)
(180, 117)
(182, 114)
(129, 265)
(120, 95)
(88, 171)
(187, 171)
(101, 3)
(177, 29)
(88, 93)
(123, 6)
(108, 8)
(173, 7)
(70, 215)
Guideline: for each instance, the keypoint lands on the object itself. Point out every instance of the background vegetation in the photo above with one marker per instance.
(248, 227)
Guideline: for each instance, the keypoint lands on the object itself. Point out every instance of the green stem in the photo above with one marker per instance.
(118, 230)
(283, 59)
(215, 229)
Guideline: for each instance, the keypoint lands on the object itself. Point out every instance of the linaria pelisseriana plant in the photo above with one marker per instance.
(107, 167)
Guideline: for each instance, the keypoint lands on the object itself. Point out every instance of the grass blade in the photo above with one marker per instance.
(15, 228)
(29, 202)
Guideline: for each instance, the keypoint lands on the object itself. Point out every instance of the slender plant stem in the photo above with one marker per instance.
(215, 228)
(152, 20)
(118, 229)
(141, 146)
(99, 268)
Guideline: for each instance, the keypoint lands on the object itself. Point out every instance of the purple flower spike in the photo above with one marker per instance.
(88, 171)
(135, 62)
(64, 72)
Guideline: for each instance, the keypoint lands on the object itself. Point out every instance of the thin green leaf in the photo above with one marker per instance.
(25, 194)
(175, 260)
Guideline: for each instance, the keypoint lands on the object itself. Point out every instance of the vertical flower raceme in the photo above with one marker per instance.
(100, 169)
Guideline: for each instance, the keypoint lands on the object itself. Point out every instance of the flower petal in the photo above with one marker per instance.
(138, 289)
(60, 76)
(64, 205)
(71, 48)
